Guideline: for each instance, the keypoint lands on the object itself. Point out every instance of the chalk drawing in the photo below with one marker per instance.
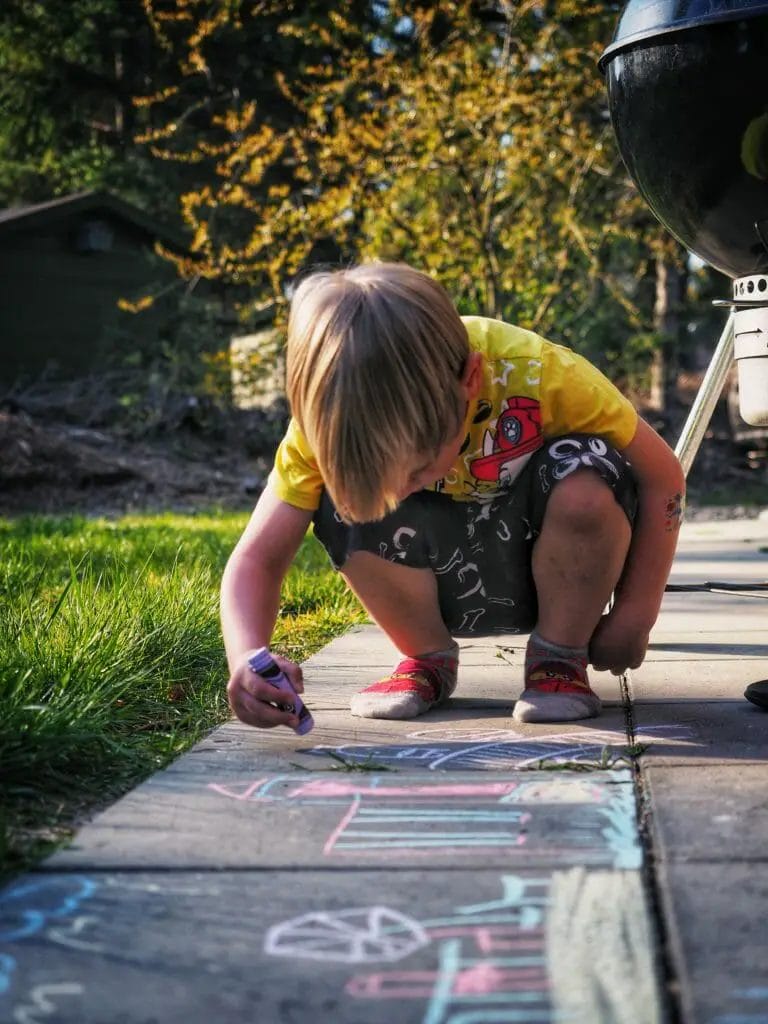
(416, 818)
(752, 1011)
(620, 831)
(741, 1018)
(611, 737)
(27, 907)
(167, 888)
(70, 935)
(440, 829)
(43, 1005)
(477, 979)
(460, 748)
(553, 791)
(599, 934)
(484, 963)
(354, 936)
(7, 967)
(330, 787)
(235, 794)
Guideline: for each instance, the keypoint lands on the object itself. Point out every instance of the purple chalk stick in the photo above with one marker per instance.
(264, 665)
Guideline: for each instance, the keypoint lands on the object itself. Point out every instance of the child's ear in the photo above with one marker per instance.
(472, 377)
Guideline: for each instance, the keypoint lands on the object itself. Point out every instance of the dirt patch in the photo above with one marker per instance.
(60, 467)
(50, 465)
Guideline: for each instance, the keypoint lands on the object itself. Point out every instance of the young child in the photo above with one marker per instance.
(466, 477)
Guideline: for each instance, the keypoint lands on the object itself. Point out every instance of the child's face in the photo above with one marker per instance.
(429, 469)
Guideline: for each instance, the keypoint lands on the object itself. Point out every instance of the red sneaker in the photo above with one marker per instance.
(556, 691)
(415, 686)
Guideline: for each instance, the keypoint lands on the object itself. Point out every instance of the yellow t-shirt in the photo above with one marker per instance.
(532, 390)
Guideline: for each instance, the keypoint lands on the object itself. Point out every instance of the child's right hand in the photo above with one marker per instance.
(253, 699)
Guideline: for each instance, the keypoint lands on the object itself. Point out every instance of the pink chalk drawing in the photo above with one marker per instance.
(248, 793)
(419, 816)
(492, 939)
(481, 979)
(325, 787)
(484, 977)
(339, 830)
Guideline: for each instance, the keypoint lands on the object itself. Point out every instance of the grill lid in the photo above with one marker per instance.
(647, 19)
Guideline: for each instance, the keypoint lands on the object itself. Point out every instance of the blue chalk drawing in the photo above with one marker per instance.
(742, 1018)
(621, 833)
(19, 920)
(7, 967)
(24, 920)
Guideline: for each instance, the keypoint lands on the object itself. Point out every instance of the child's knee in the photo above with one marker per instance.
(584, 503)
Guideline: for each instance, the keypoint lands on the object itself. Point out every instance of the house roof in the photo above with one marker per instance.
(92, 202)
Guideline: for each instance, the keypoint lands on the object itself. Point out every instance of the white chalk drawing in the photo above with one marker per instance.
(460, 748)
(166, 888)
(647, 733)
(70, 935)
(43, 1006)
(367, 935)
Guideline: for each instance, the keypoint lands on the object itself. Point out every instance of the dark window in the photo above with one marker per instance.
(94, 236)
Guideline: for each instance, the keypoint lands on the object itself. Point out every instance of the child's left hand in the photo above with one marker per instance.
(619, 642)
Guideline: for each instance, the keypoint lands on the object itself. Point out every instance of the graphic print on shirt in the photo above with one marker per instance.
(509, 442)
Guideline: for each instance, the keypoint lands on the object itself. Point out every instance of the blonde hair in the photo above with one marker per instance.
(374, 360)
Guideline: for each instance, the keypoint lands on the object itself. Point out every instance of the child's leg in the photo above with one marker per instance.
(577, 561)
(578, 558)
(404, 602)
(401, 599)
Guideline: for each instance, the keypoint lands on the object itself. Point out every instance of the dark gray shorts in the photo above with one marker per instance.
(480, 552)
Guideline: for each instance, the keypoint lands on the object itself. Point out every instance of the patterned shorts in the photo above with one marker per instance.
(480, 552)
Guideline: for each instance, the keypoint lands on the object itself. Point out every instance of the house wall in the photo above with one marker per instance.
(258, 369)
(58, 303)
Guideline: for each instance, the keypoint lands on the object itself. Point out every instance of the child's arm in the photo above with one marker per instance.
(621, 638)
(250, 598)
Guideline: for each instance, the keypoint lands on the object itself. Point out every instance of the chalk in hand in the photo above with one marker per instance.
(264, 665)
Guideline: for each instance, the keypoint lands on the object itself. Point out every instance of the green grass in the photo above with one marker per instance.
(111, 659)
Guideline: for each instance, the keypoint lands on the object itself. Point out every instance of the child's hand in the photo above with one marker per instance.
(618, 643)
(253, 699)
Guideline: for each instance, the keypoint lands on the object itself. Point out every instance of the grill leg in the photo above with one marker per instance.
(706, 398)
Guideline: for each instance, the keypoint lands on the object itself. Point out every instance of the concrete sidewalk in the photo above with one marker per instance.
(455, 869)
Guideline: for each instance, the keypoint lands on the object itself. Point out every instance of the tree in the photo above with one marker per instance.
(69, 70)
(489, 159)
(470, 139)
(240, 116)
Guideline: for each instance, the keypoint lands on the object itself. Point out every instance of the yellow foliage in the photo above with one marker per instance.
(145, 302)
(481, 152)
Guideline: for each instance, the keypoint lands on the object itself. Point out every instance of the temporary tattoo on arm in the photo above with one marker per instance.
(673, 514)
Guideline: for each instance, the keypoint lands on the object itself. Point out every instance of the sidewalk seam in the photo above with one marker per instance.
(665, 962)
